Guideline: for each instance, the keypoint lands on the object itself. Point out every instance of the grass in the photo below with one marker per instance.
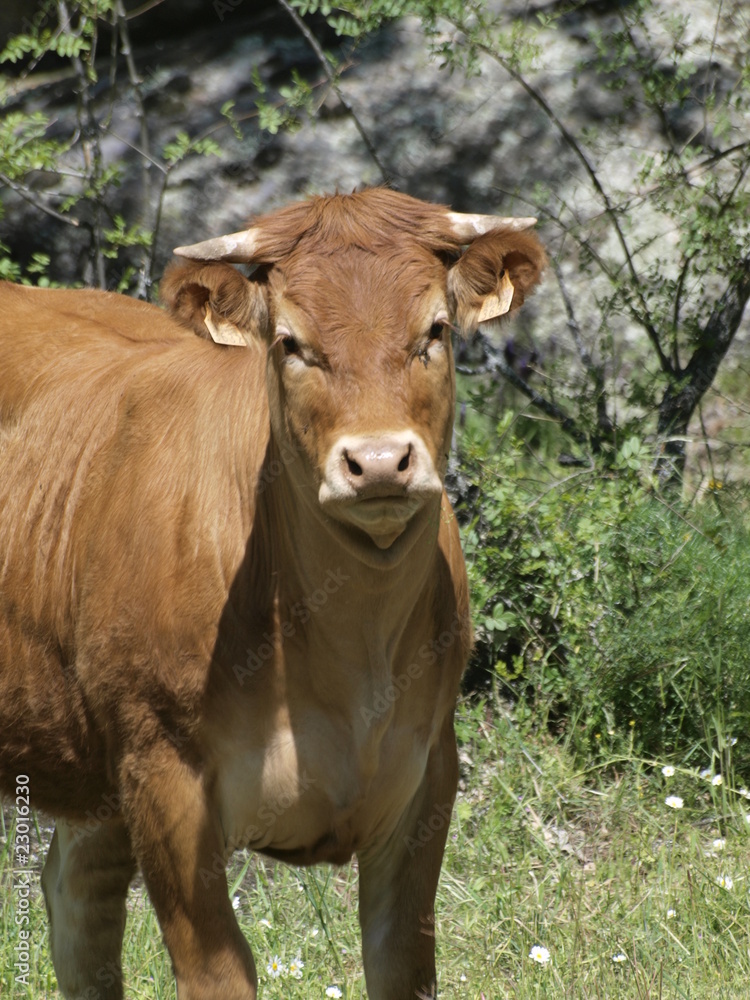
(588, 864)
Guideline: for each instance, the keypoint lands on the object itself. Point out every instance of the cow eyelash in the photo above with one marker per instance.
(288, 342)
(434, 334)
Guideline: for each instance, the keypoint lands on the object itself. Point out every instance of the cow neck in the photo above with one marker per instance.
(316, 552)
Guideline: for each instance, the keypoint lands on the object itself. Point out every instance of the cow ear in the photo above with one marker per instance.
(494, 276)
(216, 302)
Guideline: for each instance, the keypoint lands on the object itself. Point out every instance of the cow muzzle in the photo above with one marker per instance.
(378, 483)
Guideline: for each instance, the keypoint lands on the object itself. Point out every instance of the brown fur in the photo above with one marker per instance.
(196, 653)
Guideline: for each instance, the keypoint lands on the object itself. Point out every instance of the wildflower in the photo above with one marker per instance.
(725, 881)
(539, 954)
(462, 978)
(674, 802)
(667, 771)
(744, 792)
(705, 773)
(671, 914)
(236, 903)
(717, 780)
(619, 958)
(747, 817)
(719, 844)
(264, 923)
(275, 968)
(295, 968)
(333, 991)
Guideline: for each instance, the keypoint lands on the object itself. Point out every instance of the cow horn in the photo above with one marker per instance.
(235, 248)
(468, 227)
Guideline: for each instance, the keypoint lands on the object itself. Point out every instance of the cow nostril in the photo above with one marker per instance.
(403, 465)
(354, 467)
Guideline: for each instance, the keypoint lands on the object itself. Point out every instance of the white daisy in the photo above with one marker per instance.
(674, 802)
(275, 967)
(539, 954)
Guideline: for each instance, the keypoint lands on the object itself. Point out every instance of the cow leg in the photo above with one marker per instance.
(180, 848)
(85, 882)
(398, 883)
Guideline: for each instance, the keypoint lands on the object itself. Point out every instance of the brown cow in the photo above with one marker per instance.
(233, 605)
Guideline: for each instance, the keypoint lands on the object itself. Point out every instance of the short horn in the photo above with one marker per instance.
(468, 227)
(235, 248)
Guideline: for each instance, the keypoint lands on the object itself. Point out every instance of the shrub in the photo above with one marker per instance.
(599, 606)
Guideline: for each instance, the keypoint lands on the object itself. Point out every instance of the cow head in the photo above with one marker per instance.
(356, 297)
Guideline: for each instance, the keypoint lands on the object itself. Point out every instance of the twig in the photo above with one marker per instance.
(333, 80)
(495, 364)
(92, 154)
(149, 5)
(596, 371)
(24, 193)
(570, 140)
(121, 25)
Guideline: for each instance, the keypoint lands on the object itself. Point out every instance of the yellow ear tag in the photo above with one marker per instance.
(222, 331)
(498, 304)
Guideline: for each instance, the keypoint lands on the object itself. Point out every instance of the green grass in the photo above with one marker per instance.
(586, 863)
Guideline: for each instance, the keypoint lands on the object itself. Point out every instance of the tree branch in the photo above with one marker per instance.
(121, 27)
(333, 80)
(92, 154)
(494, 364)
(682, 396)
(24, 193)
(596, 371)
(642, 316)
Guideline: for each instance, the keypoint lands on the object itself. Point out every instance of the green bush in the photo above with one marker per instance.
(600, 607)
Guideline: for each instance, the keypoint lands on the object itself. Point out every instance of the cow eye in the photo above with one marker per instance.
(290, 345)
(436, 331)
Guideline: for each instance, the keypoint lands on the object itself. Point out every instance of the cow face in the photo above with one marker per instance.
(356, 297)
(361, 381)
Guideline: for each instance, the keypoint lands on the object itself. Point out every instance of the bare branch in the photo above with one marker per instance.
(333, 80)
(23, 192)
(495, 364)
(596, 371)
(641, 315)
(144, 279)
(149, 5)
(92, 153)
(683, 395)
